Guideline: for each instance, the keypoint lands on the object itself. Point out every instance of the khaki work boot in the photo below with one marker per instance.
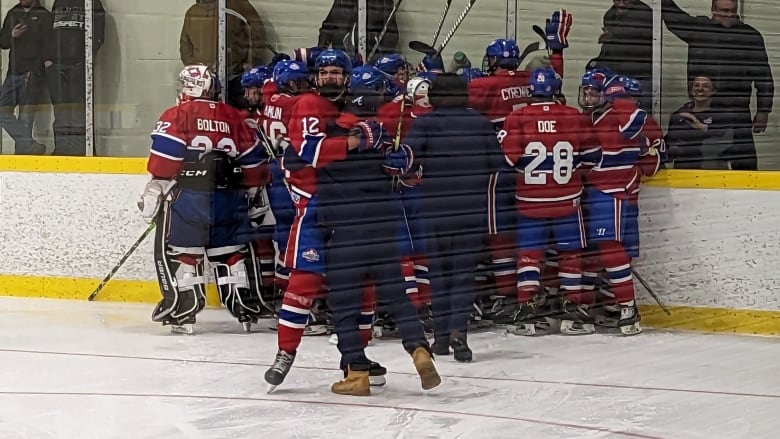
(423, 362)
(355, 383)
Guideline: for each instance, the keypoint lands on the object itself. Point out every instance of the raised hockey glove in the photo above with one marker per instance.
(557, 30)
(259, 206)
(372, 135)
(154, 194)
(398, 161)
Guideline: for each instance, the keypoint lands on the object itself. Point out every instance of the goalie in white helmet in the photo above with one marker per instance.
(207, 170)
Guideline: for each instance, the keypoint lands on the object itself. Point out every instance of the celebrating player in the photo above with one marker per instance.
(205, 164)
(547, 143)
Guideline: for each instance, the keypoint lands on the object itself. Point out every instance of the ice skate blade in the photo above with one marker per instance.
(182, 329)
(527, 329)
(377, 381)
(270, 388)
(569, 327)
(247, 326)
(632, 329)
(334, 339)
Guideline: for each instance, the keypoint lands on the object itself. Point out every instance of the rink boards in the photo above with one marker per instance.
(710, 240)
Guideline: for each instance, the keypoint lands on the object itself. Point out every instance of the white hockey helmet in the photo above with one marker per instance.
(197, 82)
(417, 90)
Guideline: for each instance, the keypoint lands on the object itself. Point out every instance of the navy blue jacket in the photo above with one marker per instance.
(459, 152)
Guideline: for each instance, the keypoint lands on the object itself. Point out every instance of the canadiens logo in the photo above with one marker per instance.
(295, 197)
(274, 98)
(311, 255)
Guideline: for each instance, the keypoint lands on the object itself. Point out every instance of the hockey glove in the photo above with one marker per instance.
(372, 135)
(557, 30)
(259, 205)
(152, 198)
(399, 161)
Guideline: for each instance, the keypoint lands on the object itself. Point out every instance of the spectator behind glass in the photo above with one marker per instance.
(696, 132)
(341, 22)
(627, 45)
(734, 55)
(65, 72)
(26, 32)
(246, 43)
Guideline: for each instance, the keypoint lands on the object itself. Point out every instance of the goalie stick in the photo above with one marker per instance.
(419, 46)
(122, 260)
(384, 30)
(651, 292)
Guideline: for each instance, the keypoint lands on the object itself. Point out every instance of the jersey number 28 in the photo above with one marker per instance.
(563, 163)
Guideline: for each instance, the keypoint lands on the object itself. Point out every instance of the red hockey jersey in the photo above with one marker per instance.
(548, 144)
(318, 137)
(186, 132)
(498, 95)
(622, 132)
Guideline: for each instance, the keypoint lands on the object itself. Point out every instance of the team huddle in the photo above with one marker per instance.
(312, 204)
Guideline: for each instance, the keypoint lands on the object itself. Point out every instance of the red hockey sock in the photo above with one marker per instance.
(301, 291)
(528, 274)
(503, 251)
(618, 266)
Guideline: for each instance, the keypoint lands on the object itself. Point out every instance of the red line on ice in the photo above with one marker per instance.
(335, 403)
(466, 377)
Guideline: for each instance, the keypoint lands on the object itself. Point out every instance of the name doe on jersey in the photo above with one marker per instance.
(546, 126)
(214, 126)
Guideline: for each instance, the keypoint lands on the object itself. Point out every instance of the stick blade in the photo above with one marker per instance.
(533, 47)
(539, 31)
(419, 46)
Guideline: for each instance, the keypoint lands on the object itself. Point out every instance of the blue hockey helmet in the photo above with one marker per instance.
(367, 77)
(431, 63)
(279, 57)
(308, 55)
(632, 86)
(473, 73)
(501, 53)
(545, 82)
(335, 58)
(390, 64)
(368, 87)
(591, 93)
(289, 71)
(255, 77)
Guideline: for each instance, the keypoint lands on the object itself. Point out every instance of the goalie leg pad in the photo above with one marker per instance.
(183, 288)
(232, 278)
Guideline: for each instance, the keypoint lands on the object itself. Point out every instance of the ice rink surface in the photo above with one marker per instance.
(104, 370)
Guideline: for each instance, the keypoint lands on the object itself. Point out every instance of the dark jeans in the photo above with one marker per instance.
(354, 255)
(742, 152)
(452, 265)
(23, 91)
(67, 89)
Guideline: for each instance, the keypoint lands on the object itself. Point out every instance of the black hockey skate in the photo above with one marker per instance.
(318, 323)
(165, 313)
(629, 319)
(278, 371)
(523, 320)
(576, 319)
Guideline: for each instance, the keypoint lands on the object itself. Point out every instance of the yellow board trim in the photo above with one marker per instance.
(671, 178)
(717, 320)
(73, 165)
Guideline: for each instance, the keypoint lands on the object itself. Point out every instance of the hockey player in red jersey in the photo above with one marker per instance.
(504, 90)
(205, 164)
(396, 67)
(548, 143)
(622, 132)
(318, 136)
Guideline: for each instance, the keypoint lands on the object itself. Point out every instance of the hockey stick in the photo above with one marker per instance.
(271, 48)
(419, 46)
(539, 31)
(529, 49)
(651, 292)
(384, 31)
(441, 21)
(122, 261)
(248, 30)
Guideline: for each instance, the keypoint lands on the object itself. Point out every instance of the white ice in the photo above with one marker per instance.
(99, 370)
